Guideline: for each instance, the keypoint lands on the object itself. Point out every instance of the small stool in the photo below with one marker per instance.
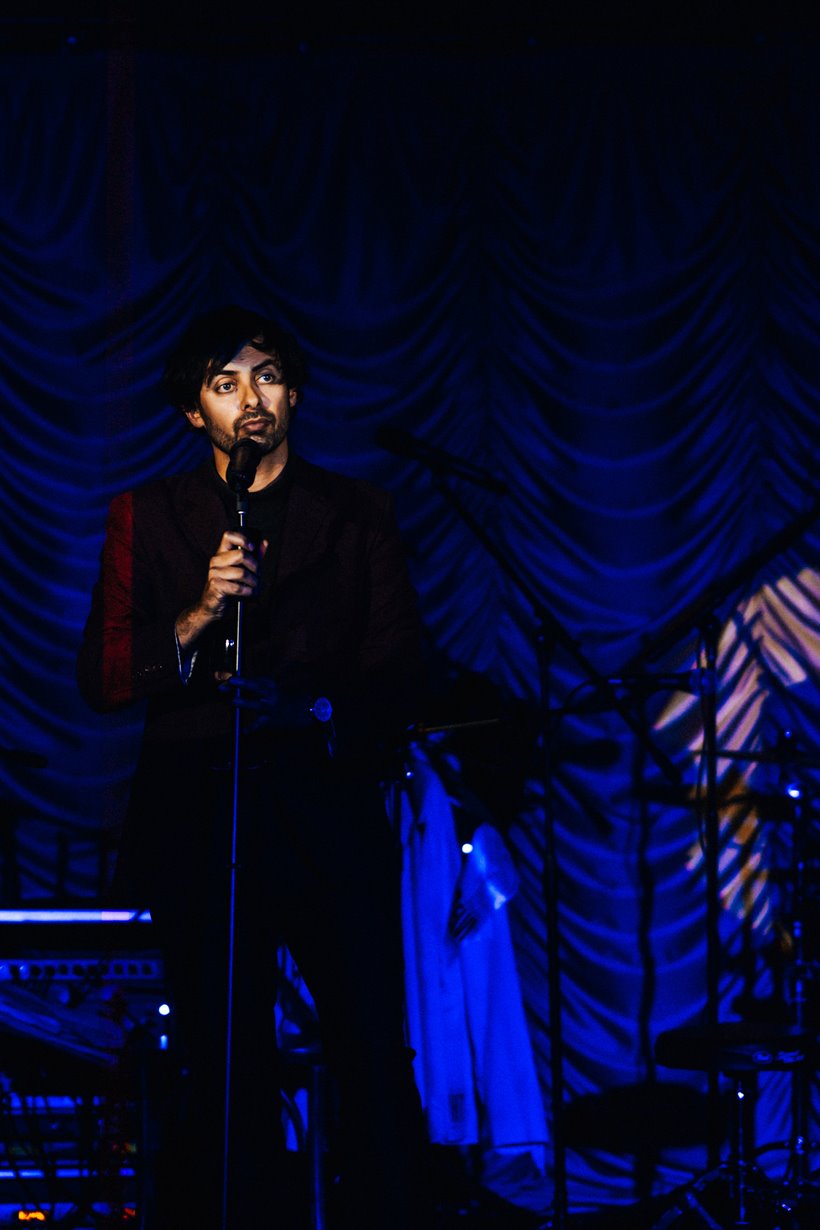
(738, 1050)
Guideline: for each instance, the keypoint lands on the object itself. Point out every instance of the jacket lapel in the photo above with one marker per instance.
(309, 517)
(199, 511)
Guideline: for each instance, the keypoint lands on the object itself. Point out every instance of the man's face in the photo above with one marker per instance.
(247, 397)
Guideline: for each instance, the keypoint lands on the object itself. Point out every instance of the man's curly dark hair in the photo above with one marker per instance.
(211, 340)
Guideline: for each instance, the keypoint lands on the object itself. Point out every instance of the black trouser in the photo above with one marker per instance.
(317, 868)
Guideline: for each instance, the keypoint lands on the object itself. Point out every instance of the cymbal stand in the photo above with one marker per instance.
(800, 1144)
(800, 1107)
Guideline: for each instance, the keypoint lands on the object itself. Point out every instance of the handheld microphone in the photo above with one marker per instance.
(244, 459)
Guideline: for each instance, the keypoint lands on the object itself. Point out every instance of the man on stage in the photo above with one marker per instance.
(328, 612)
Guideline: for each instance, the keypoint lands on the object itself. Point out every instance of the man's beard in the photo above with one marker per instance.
(269, 437)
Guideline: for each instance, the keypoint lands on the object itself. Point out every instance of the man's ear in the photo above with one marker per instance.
(194, 417)
(293, 397)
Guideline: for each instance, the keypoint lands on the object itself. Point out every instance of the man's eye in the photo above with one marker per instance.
(224, 386)
(267, 378)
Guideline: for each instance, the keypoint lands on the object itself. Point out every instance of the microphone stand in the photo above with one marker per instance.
(549, 633)
(239, 477)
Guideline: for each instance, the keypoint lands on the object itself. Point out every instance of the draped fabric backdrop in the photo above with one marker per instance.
(592, 271)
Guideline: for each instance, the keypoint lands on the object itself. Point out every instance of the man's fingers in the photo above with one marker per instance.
(235, 558)
(233, 576)
(233, 572)
(232, 539)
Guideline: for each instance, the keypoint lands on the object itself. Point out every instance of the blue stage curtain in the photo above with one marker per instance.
(594, 271)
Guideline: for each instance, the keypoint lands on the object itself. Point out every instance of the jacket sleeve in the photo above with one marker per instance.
(129, 648)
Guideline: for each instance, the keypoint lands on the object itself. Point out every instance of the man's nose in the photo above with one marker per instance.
(250, 396)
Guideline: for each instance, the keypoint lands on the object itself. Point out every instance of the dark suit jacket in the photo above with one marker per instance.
(339, 620)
